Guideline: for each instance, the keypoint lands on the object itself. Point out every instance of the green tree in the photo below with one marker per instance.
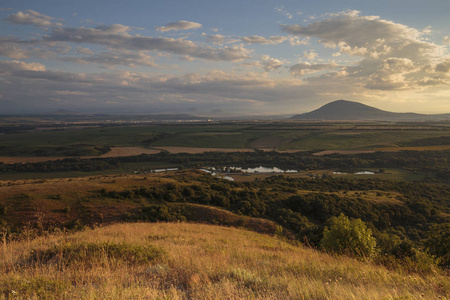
(439, 243)
(349, 237)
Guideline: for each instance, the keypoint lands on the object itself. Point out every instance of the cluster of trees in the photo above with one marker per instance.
(67, 164)
(434, 163)
(400, 227)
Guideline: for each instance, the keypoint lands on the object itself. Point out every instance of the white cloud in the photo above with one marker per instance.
(271, 64)
(283, 11)
(12, 49)
(366, 36)
(392, 76)
(267, 63)
(310, 55)
(305, 68)
(86, 51)
(15, 65)
(447, 39)
(30, 17)
(112, 58)
(179, 25)
(392, 56)
(116, 36)
(219, 39)
(256, 39)
(295, 41)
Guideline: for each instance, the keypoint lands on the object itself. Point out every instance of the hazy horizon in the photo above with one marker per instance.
(231, 58)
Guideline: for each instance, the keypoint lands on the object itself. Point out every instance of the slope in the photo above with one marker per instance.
(194, 261)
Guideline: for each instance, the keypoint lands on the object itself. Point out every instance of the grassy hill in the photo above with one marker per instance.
(193, 261)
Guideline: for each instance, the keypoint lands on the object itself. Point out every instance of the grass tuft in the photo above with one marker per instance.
(92, 253)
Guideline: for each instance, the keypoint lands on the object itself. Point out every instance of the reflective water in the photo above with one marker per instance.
(262, 169)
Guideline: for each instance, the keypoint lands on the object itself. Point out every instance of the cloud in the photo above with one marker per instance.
(180, 25)
(118, 91)
(126, 58)
(284, 12)
(305, 68)
(392, 76)
(12, 49)
(16, 66)
(310, 55)
(443, 67)
(267, 63)
(71, 93)
(30, 17)
(86, 51)
(116, 36)
(366, 36)
(256, 39)
(219, 39)
(392, 56)
(295, 41)
(446, 39)
(271, 64)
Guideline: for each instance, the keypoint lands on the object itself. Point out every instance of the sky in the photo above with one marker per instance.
(205, 57)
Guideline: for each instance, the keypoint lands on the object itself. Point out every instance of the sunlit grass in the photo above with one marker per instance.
(195, 262)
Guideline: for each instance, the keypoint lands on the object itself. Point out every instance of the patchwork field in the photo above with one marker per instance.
(109, 141)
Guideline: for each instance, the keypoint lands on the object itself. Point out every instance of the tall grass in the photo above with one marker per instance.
(192, 261)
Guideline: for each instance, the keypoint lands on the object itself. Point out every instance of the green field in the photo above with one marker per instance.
(257, 135)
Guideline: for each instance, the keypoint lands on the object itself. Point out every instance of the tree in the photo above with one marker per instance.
(349, 237)
(439, 243)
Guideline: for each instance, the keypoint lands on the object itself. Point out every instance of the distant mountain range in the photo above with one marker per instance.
(350, 110)
(70, 116)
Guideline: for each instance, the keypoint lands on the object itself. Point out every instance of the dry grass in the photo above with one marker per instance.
(200, 262)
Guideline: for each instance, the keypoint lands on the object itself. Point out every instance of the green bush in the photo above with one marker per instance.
(349, 237)
(439, 243)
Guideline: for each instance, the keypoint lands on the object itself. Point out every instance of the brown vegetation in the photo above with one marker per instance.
(192, 261)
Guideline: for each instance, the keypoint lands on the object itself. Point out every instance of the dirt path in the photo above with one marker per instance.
(197, 150)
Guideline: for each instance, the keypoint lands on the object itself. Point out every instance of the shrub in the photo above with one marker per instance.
(439, 243)
(349, 237)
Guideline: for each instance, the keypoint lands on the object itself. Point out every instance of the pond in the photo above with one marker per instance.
(261, 169)
(356, 173)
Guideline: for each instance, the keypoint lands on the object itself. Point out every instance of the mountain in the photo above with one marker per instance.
(350, 110)
(69, 116)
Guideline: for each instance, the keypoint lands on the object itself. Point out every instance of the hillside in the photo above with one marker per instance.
(349, 110)
(194, 261)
